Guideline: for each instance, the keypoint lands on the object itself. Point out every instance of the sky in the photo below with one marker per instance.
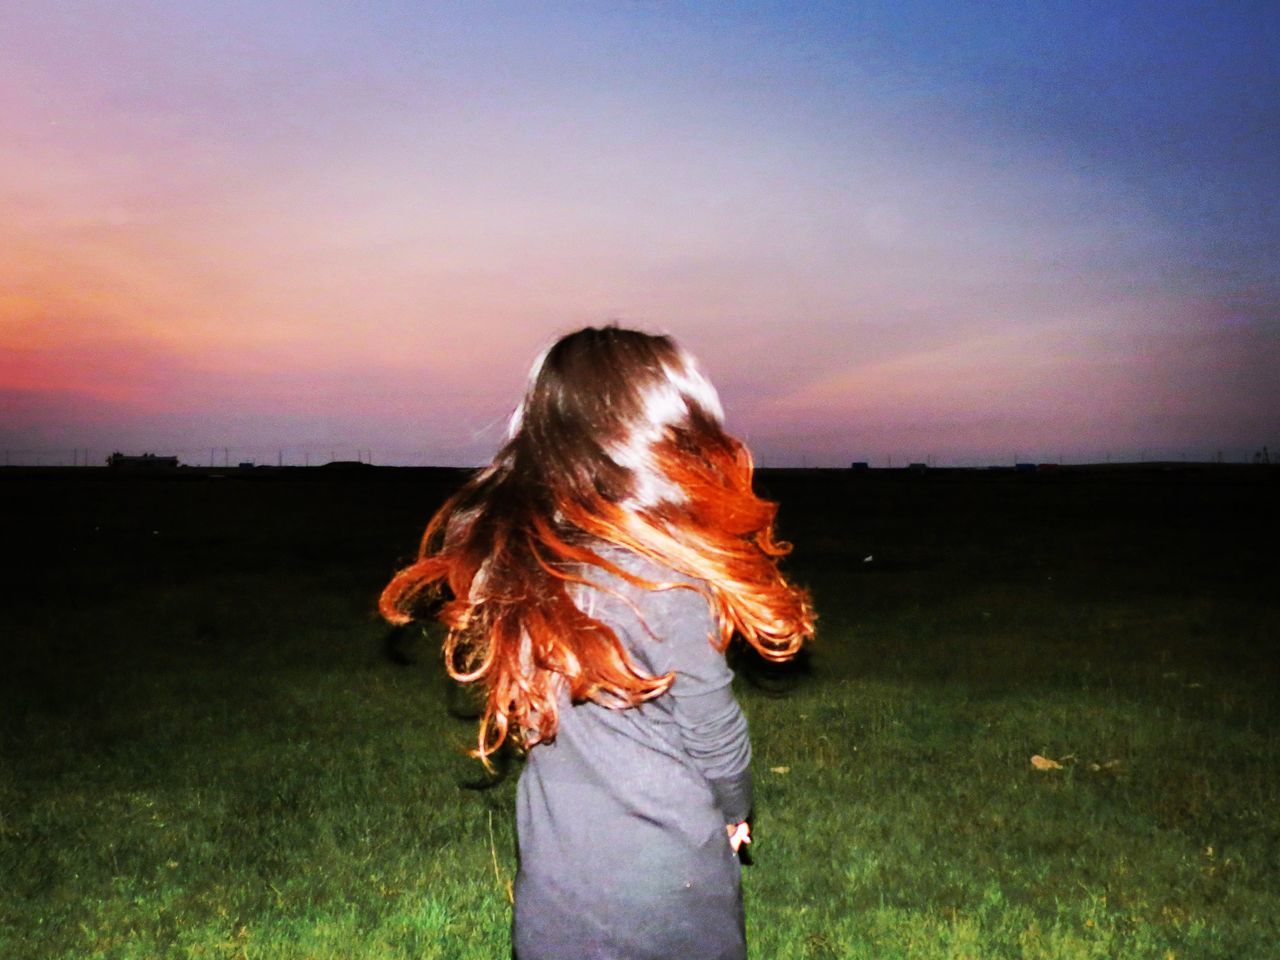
(959, 233)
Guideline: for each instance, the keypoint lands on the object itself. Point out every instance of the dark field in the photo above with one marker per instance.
(210, 747)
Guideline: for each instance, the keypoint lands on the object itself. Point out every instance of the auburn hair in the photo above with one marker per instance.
(618, 441)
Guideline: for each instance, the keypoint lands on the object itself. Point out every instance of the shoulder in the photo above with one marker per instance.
(665, 596)
(668, 582)
(669, 621)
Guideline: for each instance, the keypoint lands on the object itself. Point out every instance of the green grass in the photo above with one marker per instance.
(205, 752)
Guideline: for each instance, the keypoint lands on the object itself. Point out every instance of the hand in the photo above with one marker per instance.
(739, 833)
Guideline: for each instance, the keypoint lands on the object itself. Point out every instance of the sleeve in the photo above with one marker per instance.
(712, 726)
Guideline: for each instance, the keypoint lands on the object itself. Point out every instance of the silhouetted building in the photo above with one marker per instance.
(148, 461)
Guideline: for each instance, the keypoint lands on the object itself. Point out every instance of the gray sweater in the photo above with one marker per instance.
(621, 819)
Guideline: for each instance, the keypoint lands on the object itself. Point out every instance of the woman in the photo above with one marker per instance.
(597, 570)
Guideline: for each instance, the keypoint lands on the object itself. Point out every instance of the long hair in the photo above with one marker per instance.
(618, 441)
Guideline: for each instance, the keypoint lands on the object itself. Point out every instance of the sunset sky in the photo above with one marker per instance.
(964, 232)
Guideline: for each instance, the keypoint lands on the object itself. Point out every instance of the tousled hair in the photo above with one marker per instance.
(618, 441)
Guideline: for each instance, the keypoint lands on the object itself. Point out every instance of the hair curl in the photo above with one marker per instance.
(618, 440)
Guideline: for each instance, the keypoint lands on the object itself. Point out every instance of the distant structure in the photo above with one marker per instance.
(147, 462)
(858, 466)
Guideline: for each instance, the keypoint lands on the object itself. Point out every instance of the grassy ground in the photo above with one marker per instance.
(206, 751)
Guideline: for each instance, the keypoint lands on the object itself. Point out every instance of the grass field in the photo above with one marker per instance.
(206, 750)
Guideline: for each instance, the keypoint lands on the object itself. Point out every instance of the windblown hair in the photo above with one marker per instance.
(618, 441)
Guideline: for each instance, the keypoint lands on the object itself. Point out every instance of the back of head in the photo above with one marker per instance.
(618, 440)
(598, 403)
